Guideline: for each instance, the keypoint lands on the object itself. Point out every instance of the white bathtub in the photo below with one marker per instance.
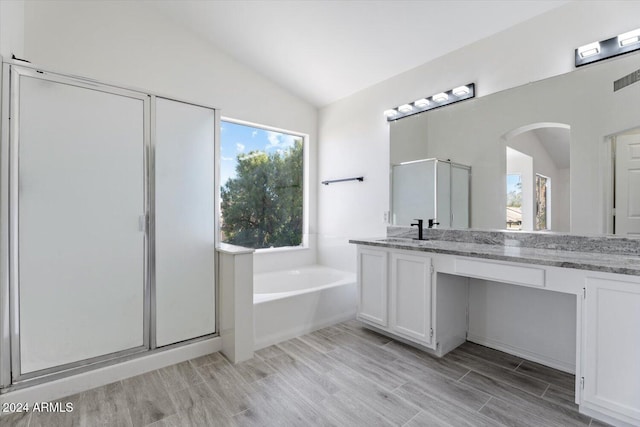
(290, 303)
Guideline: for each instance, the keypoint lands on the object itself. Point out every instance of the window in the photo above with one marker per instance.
(262, 192)
(514, 202)
(543, 186)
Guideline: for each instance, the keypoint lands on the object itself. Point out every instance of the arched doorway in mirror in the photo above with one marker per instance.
(537, 177)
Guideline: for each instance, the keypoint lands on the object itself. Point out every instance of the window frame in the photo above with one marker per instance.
(304, 245)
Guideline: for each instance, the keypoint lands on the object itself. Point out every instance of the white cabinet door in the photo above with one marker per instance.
(372, 286)
(411, 296)
(612, 348)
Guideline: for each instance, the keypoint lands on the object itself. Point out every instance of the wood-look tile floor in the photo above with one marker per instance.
(343, 375)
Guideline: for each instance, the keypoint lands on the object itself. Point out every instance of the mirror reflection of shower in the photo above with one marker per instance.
(537, 178)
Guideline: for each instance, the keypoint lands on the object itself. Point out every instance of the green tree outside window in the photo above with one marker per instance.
(262, 205)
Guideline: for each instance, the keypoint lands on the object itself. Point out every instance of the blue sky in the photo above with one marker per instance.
(512, 180)
(236, 139)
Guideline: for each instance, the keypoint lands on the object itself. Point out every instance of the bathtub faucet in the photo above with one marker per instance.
(419, 224)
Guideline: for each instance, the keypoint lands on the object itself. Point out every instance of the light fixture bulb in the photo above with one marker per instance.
(440, 97)
(460, 91)
(631, 37)
(391, 113)
(422, 102)
(405, 108)
(589, 50)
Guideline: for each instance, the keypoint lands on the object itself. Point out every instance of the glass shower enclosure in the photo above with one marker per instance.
(107, 238)
(431, 189)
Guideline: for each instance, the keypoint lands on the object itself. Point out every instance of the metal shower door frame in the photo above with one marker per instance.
(10, 370)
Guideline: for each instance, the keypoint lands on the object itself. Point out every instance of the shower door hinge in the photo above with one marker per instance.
(143, 223)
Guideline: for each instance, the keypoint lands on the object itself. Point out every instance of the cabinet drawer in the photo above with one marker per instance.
(508, 273)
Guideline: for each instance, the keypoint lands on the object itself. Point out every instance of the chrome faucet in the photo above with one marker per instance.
(419, 224)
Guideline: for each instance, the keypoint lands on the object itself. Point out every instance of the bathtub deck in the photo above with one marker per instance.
(342, 375)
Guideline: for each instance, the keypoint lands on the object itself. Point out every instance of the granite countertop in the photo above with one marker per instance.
(594, 261)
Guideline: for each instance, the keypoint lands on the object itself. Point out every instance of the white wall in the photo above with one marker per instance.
(354, 136)
(561, 210)
(409, 138)
(533, 323)
(11, 28)
(131, 44)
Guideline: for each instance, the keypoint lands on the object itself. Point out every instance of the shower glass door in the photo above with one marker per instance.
(77, 222)
(184, 221)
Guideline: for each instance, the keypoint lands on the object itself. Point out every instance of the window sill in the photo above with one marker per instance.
(233, 249)
(282, 249)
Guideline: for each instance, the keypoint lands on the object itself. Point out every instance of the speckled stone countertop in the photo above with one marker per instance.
(595, 253)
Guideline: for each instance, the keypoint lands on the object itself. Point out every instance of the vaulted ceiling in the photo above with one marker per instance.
(323, 51)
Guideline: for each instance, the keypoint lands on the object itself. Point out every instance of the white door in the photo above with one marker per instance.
(184, 225)
(372, 286)
(411, 296)
(77, 197)
(627, 185)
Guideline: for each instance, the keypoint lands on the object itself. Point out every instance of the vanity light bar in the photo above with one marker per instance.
(618, 45)
(460, 90)
(441, 99)
(589, 50)
(629, 38)
(391, 113)
(422, 102)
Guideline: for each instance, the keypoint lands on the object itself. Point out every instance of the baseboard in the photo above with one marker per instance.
(300, 330)
(525, 354)
(598, 414)
(71, 385)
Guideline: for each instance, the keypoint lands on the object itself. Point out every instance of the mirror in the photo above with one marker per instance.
(423, 189)
(575, 185)
(538, 168)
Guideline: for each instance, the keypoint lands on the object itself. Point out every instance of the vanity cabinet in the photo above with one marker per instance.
(419, 292)
(395, 293)
(410, 297)
(373, 287)
(611, 347)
